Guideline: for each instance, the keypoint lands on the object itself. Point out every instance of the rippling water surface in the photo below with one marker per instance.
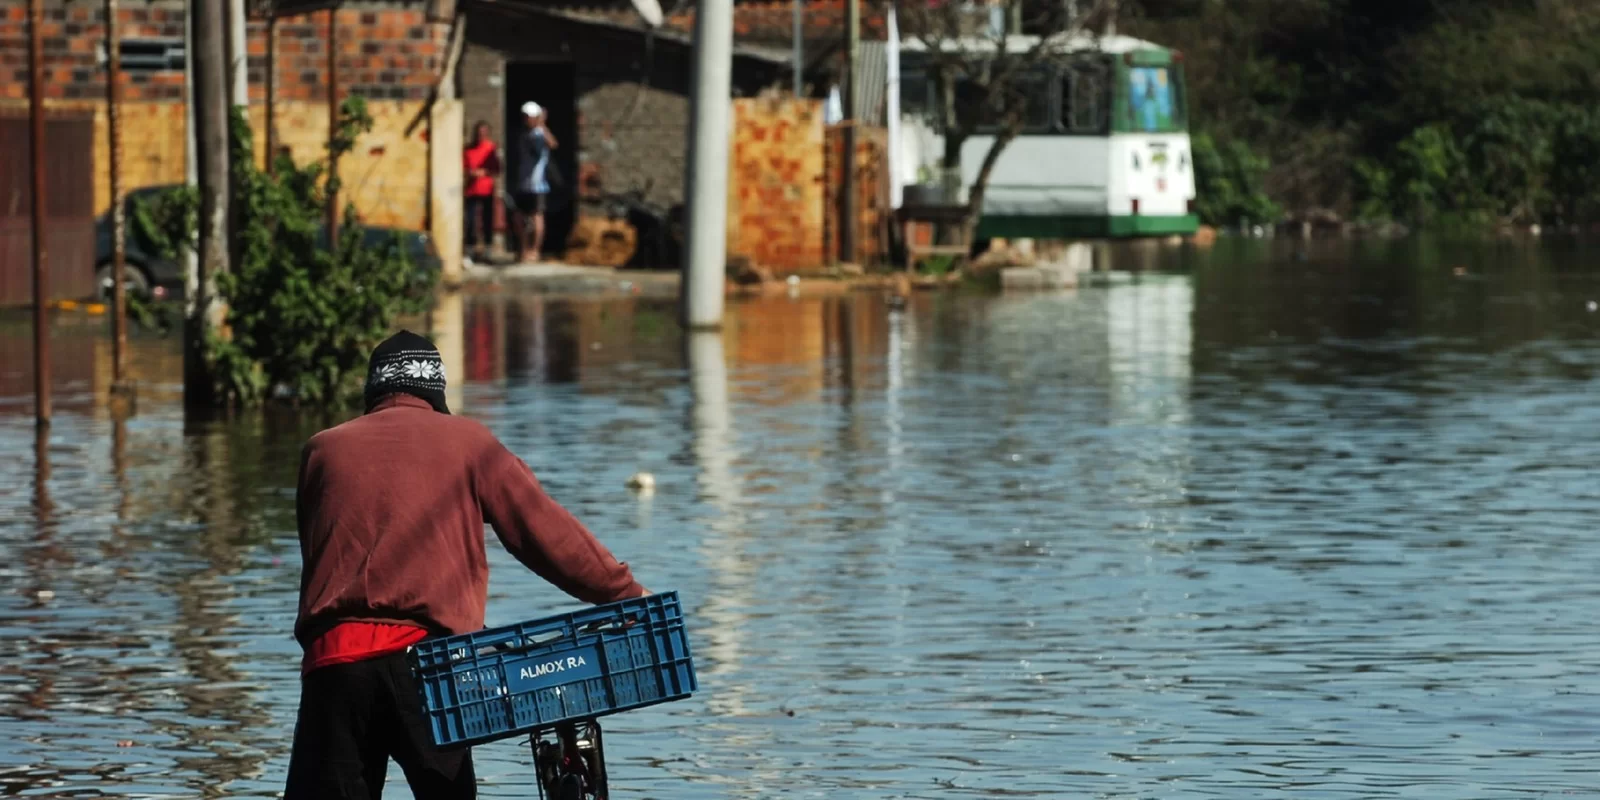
(1311, 527)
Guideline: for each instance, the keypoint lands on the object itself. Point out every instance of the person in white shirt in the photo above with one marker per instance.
(532, 189)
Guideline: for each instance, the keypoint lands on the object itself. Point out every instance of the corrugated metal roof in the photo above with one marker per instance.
(871, 80)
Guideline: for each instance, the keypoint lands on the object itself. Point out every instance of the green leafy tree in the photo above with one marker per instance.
(303, 314)
(1228, 184)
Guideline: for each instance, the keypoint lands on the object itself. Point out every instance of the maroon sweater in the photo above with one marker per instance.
(391, 508)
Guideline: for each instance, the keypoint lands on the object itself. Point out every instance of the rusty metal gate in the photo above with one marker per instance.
(69, 196)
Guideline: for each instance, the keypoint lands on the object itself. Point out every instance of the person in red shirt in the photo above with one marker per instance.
(482, 162)
(391, 508)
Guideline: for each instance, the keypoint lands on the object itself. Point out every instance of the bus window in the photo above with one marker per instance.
(976, 107)
(916, 97)
(1036, 89)
(1150, 94)
(1084, 99)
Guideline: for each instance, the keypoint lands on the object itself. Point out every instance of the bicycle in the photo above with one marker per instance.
(551, 679)
(569, 761)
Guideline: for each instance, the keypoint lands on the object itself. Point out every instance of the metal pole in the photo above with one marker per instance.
(847, 180)
(272, 89)
(333, 125)
(799, 46)
(119, 298)
(706, 180)
(41, 297)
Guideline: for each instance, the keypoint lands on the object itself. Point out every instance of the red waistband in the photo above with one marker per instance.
(349, 642)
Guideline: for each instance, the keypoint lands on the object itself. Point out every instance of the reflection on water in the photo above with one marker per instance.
(1301, 524)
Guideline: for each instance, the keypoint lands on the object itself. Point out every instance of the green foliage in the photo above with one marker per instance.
(1460, 112)
(1228, 182)
(937, 264)
(1375, 186)
(1515, 161)
(302, 317)
(1508, 154)
(170, 222)
(151, 315)
(1429, 173)
(1575, 181)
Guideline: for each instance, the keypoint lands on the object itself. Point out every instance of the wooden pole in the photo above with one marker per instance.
(119, 222)
(41, 295)
(272, 90)
(333, 125)
(210, 99)
(847, 175)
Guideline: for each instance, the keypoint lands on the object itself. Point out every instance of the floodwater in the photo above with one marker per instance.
(1266, 524)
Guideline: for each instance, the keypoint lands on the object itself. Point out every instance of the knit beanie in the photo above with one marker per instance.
(406, 363)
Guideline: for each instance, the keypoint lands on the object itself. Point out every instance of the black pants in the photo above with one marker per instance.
(480, 221)
(353, 719)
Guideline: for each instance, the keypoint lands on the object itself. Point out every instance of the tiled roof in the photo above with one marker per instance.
(766, 23)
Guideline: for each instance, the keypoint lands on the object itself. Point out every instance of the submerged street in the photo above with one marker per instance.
(1266, 525)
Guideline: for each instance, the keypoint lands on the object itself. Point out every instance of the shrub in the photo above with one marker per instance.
(302, 317)
(1228, 183)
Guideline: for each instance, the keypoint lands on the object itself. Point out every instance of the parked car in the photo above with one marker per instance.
(152, 275)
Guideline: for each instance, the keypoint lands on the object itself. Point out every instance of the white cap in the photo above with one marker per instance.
(532, 109)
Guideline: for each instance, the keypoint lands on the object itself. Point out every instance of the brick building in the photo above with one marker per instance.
(618, 93)
(390, 54)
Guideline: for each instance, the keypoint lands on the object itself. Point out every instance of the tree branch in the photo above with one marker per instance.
(963, 48)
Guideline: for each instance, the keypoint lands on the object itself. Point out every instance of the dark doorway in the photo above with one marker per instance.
(552, 84)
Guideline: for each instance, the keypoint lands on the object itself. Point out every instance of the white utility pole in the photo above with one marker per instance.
(191, 150)
(238, 55)
(706, 179)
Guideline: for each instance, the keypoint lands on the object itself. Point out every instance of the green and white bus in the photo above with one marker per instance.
(1105, 153)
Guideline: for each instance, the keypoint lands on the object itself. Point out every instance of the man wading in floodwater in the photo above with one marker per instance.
(391, 508)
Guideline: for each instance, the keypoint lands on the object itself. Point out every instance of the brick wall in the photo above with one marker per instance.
(775, 183)
(386, 52)
(73, 34)
(872, 192)
(389, 55)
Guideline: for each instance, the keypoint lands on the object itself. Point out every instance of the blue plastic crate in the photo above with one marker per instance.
(503, 682)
